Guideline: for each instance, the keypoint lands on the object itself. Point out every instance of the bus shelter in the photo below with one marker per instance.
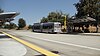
(81, 25)
(7, 17)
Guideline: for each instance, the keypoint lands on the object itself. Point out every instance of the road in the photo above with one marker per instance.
(65, 44)
(9, 47)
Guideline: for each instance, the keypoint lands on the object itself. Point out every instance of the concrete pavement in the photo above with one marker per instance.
(90, 34)
(9, 47)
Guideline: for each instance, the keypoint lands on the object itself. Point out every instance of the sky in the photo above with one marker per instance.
(33, 10)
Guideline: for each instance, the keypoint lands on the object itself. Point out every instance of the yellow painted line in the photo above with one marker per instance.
(34, 47)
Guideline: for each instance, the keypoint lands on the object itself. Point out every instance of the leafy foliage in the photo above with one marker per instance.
(30, 27)
(55, 17)
(21, 23)
(10, 26)
(89, 8)
(43, 20)
(1, 11)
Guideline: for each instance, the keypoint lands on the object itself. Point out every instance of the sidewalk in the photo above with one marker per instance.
(9, 47)
(90, 34)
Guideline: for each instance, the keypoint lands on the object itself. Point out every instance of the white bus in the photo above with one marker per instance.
(36, 27)
(49, 27)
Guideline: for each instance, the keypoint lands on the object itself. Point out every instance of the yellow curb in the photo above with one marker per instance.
(34, 47)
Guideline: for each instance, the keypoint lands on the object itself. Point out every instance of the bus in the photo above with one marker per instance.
(49, 27)
(36, 27)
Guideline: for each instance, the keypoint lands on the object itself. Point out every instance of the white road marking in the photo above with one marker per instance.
(59, 42)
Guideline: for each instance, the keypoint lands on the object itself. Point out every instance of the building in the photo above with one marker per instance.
(86, 25)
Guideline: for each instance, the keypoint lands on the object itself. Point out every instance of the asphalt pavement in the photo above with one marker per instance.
(65, 44)
(10, 47)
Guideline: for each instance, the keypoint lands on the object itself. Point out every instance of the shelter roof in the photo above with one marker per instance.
(8, 15)
(83, 20)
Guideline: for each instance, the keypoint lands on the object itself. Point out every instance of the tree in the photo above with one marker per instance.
(1, 11)
(21, 23)
(30, 27)
(43, 20)
(55, 17)
(89, 8)
(10, 26)
(6, 26)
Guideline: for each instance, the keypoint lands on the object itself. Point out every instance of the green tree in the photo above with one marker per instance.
(89, 8)
(13, 25)
(21, 23)
(1, 10)
(55, 17)
(6, 26)
(30, 27)
(10, 26)
(43, 20)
